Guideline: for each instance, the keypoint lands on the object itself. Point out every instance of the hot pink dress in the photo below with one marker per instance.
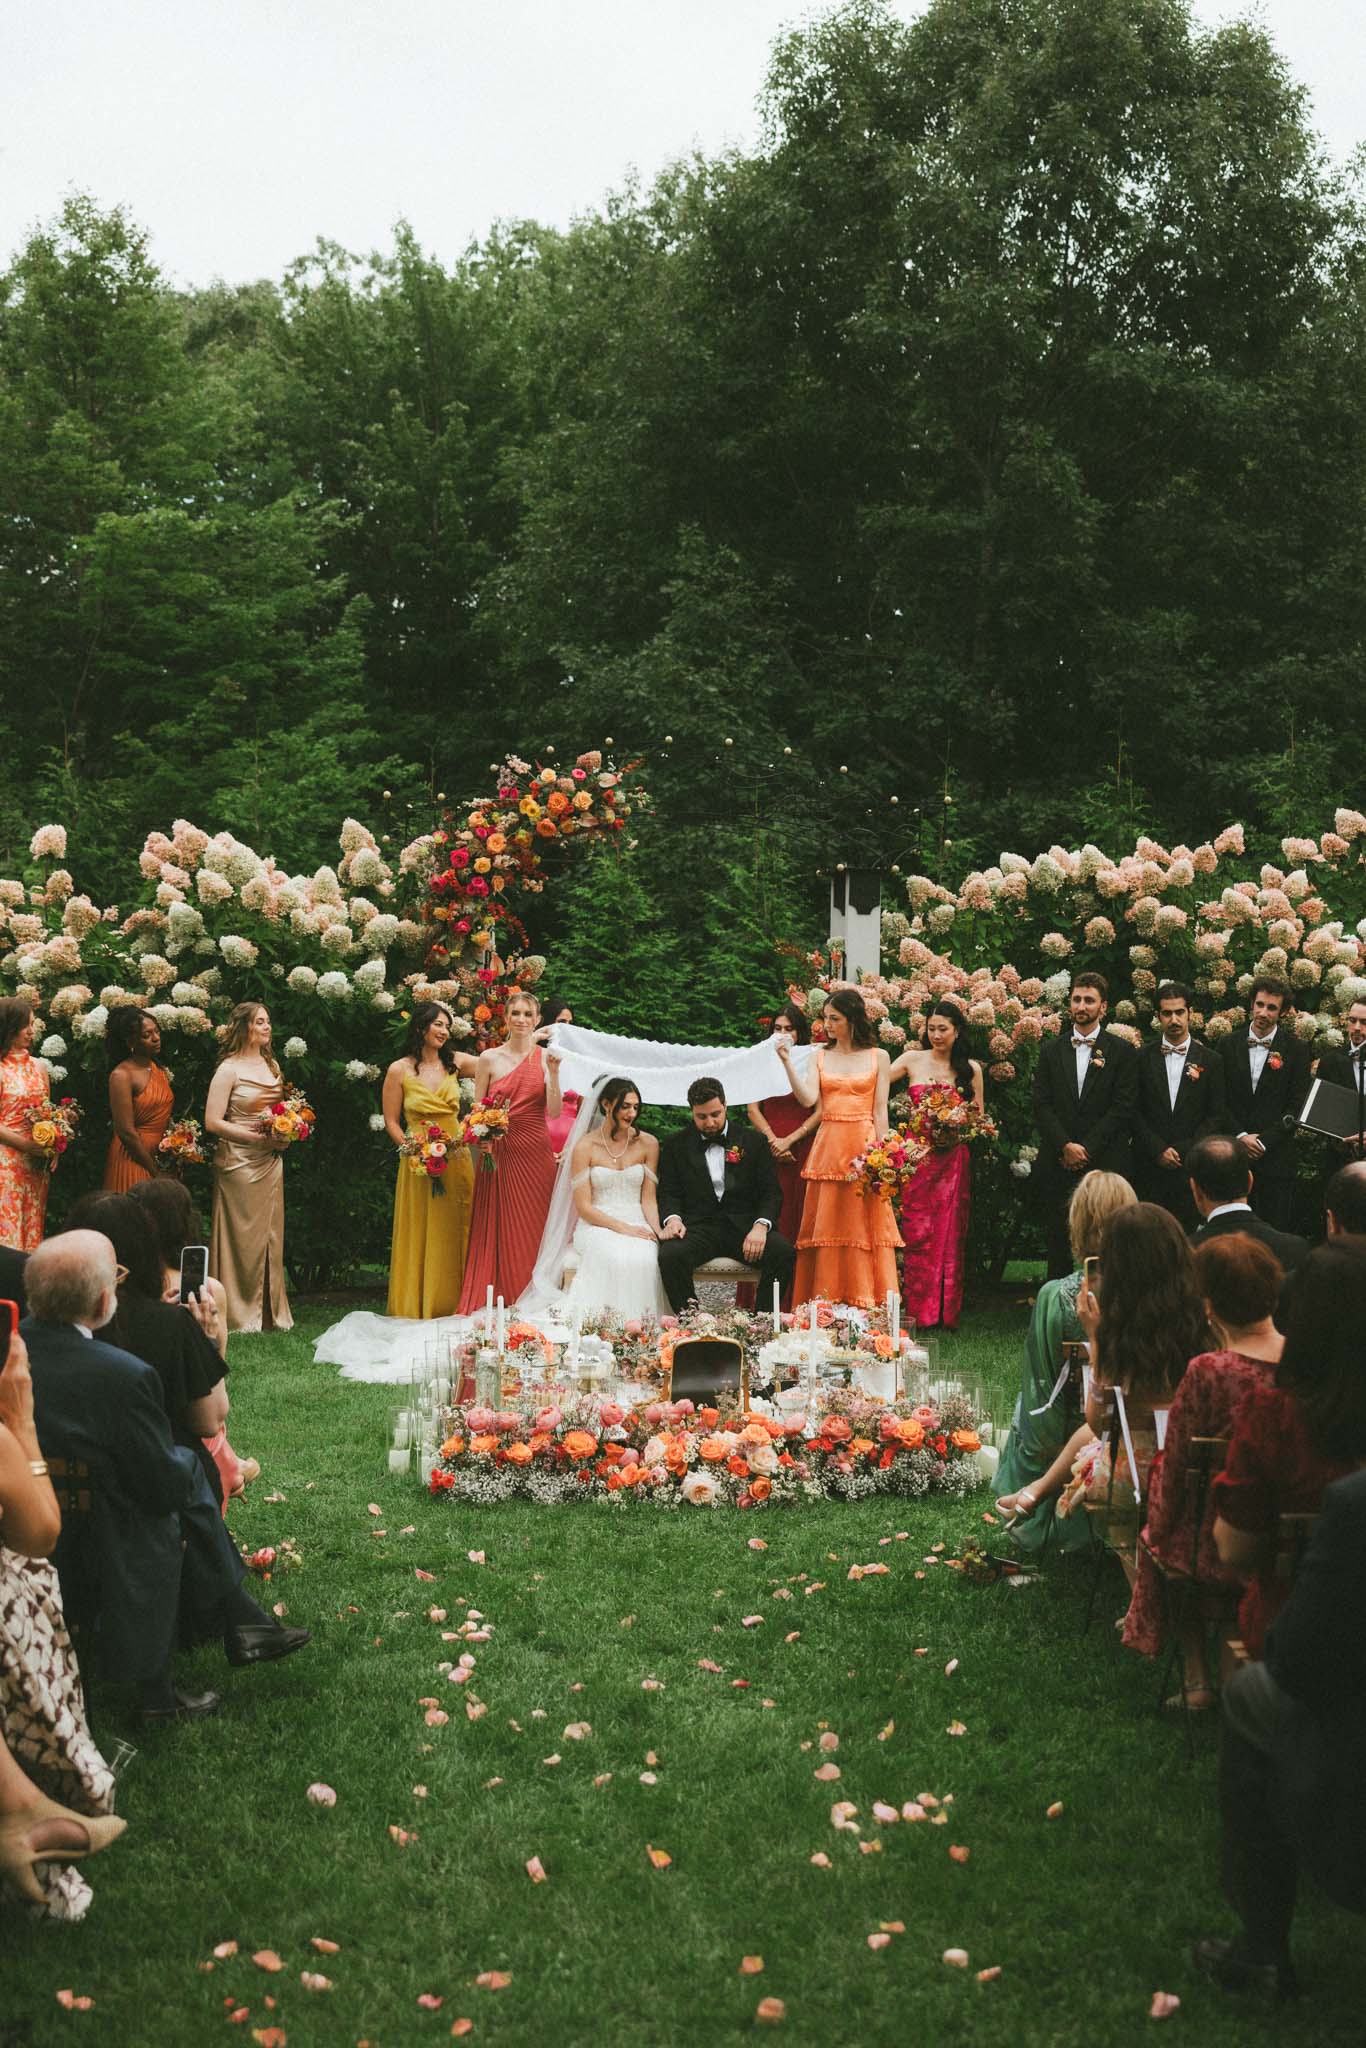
(510, 1204)
(934, 1226)
(559, 1127)
(23, 1181)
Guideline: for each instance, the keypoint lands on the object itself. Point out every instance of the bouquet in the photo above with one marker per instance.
(486, 1124)
(942, 1118)
(427, 1151)
(183, 1144)
(884, 1168)
(290, 1118)
(53, 1129)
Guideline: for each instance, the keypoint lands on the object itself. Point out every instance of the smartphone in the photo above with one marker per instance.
(1091, 1270)
(9, 1323)
(194, 1271)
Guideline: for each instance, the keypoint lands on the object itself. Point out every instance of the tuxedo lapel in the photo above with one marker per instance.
(1068, 1054)
(1086, 1086)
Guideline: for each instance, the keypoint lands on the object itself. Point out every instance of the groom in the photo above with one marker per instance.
(718, 1195)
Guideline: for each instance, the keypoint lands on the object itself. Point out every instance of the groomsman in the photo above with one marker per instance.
(1085, 1086)
(1180, 1099)
(1266, 1078)
(1346, 1065)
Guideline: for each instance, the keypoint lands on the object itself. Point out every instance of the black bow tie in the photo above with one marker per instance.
(709, 1139)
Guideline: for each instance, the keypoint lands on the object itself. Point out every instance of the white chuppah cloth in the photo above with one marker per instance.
(372, 1347)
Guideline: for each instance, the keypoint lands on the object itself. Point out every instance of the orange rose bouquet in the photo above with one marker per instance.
(53, 1129)
(291, 1118)
(486, 1125)
(183, 1144)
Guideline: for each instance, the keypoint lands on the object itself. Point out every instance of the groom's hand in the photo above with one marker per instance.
(755, 1245)
(673, 1226)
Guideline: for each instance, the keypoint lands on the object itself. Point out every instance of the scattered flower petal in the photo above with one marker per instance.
(757, 1543)
(752, 1621)
(323, 1947)
(493, 1980)
(660, 1858)
(1164, 2004)
(883, 1812)
(476, 1556)
(750, 1966)
(821, 1860)
(321, 1795)
(577, 1731)
(266, 1959)
(536, 1870)
(648, 1778)
(950, 1667)
(771, 2009)
(989, 1976)
(460, 2028)
(956, 1958)
(883, 1733)
(958, 1853)
(827, 1773)
(829, 1740)
(1052, 1812)
(955, 1728)
(435, 1718)
(879, 1940)
(313, 1980)
(427, 1578)
(225, 1949)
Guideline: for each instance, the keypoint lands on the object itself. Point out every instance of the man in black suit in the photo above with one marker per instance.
(1266, 1078)
(1292, 1781)
(1220, 1183)
(151, 1558)
(1345, 1066)
(1345, 1200)
(718, 1198)
(1085, 1087)
(1180, 1099)
(12, 1277)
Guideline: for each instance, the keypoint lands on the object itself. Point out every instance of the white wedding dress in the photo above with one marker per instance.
(615, 1274)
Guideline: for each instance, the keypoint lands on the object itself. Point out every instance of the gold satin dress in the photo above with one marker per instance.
(431, 1231)
(247, 1248)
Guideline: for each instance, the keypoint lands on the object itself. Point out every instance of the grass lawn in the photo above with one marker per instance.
(1086, 1915)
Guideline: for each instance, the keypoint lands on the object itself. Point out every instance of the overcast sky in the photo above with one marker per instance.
(237, 131)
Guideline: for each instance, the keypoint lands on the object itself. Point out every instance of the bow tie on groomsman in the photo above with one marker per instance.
(1177, 1052)
(1085, 1041)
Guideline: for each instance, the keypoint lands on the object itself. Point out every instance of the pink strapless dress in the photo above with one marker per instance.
(934, 1226)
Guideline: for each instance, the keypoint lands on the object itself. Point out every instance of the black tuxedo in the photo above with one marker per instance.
(12, 1266)
(1340, 1067)
(1160, 1124)
(1260, 1112)
(1100, 1118)
(717, 1229)
(1292, 1790)
(1288, 1248)
(122, 1565)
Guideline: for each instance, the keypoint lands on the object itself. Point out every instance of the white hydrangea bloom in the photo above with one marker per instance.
(92, 1024)
(48, 843)
(380, 932)
(213, 887)
(237, 951)
(303, 980)
(326, 887)
(376, 1121)
(205, 946)
(383, 999)
(334, 987)
(370, 975)
(52, 1047)
(368, 869)
(187, 992)
(156, 972)
(337, 941)
(356, 1070)
(296, 1048)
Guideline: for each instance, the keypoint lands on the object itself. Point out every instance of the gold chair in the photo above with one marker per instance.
(704, 1368)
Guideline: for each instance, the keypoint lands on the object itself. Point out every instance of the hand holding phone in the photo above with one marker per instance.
(194, 1271)
(16, 1388)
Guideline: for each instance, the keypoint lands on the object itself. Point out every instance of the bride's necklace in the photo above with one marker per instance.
(612, 1151)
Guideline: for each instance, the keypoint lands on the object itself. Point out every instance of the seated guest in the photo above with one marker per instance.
(1221, 1182)
(151, 1555)
(169, 1207)
(12, 1265)
(1145, 1325)
(1180, 1099)
(1292, 1791)
(176, 1339)
(1240, 1281)
(1292, 1439)
(45, 1741)
(1036, 1439)
(1345, 1200)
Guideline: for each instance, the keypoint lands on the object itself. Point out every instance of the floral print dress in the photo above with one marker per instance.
(23, 1181)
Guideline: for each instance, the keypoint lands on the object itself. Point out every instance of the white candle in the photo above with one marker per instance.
(894, 1302)
(777, 1316)
(398, 1459)
(502, 1327)
(488, 1312)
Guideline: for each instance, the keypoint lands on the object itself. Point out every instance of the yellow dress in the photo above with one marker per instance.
(247, 1247)
(431, 1231)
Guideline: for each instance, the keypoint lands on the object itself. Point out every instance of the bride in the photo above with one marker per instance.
(604, 1218)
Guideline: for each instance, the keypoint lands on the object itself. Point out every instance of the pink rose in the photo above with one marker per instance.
(547, 1419)
(480, 1420)
(887, 1427)
(795, 1425)
(924, 1415)
(630, 1455)
(610, 1414)
(679, 1410)
(655, 1413)
(506, 1420)
(634, 1328)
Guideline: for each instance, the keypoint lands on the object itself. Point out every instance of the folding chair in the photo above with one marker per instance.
(1182, 1589)
(1068, 1394)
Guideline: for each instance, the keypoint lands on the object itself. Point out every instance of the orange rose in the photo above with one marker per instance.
(966, 1440)
(567, 825)
(540, 1442)
(754, 1433)
(712, 1449)
(482, 865)
(860, 1446)
(612, 1453)
(761, 1488)
(708, 1417)
(520, 1454)
(579, 1444)
(615, 1482)
(546, 828)
(583, 801)
(496, 843)
(882, 1344)
(738, 1467)
(558, 804)
(453, 1446)
(837, 1429)
(482, 1013)
(910, 1434)
(499, 884)
(482, 1445)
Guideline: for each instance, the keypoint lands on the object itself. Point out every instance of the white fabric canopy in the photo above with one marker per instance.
(663, 1072)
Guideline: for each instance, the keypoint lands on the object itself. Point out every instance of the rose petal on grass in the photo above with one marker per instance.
(892, 1926)
(603, 1778)
(74, 2001)
(883, 1733)
(435, 1718)
(705, 1664)
(757, 1543)
(955, 1728)
(474, 1709)
(750, 1966)
(752, 1621)
(958, 1853)
(552, 1760)
(321, 1795)
(536, 1870)
(269, 2037)
(461, 2027)
(427, 1578)
(829, 1740)
(436, 1614)
(493, 1980)
(660, 1858)
(476, 1557)
(913, 1810)
(373, 1508)
(313, 1980)
(956, 1958)
(990, 1975)
(324, 1947)
(879, 1940)
(225, 1949)
(238, 2014)
(652, 1685)
(771, 2010)
(577, 1731)
(873, 1848)
(885, 1813)
(821, 1860)
(1164, 2004)
(950, 1667)
(648, 1778)
(1052, 1812)
(266, 1959)
(827, 1773)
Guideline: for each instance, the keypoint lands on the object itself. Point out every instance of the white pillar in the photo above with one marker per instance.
(856, 919)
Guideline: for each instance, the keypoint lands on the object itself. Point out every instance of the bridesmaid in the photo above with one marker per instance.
(789, 1126)
(247, 1244)
(511, 1203)
(559, 1127)
(140, 1099)
(431, 1229)
(24, 1092)
(847, 1245)
(935, 1205)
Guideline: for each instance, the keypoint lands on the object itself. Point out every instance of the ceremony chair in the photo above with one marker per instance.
(1073, 1358)
(1183, 1590)
(703, 1368)
(1290, 1540)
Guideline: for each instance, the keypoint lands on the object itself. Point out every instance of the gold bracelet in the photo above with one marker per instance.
(38, 1467)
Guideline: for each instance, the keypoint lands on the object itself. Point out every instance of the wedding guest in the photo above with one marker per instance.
(170, 1209)
(718, 1196)
(150, 1562)
(787, 1127)
(1266, 1078)
(936, 1204)
(1293, 1438)
(1039, 1450)
(1180, 1098)
(24, 1093)
(1085, 1086)
(178, 1340)
(847, 1244)
(1345, 1200)
(1221, 1182)
(140, 1098)
(1345, 1067)
(511, 1202)
(247, 1246)
(1145, 1325)
(431, 1217)
(47, 1755)
(1292, 1792)
(558, 1127)
(1240, 1280)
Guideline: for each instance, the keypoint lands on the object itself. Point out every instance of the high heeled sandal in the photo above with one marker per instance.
(1025, 1503)
(17, 1859)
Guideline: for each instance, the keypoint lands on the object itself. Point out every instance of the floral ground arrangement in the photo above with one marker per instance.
(653, 1716)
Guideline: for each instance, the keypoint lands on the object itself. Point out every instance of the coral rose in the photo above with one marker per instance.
(910, 1433)
(709, 1417)
(482, 1445)
(610, 1414)
(520, 1454)
(837, 1429)
(480, 1418)
(966, 1440)
(453, 1446)
(882, 1344)
(761, 1489)
(738, 1467)
(577, 1443)
(713, 1449)
(754, 1433)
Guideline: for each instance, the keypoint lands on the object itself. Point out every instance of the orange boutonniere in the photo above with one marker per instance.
(1193, 1072)
(734, 1156)
(1275, 1062)
(1097, 1059)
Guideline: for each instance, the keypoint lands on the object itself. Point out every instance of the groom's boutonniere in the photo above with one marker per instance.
(1275, 1062)
(734, 1156)
(1193, 1072)
(1097, 1059)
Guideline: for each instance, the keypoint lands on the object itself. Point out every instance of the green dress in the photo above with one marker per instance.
(1035, 1440)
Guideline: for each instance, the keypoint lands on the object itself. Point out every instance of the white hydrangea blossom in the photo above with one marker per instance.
(334, 987)
(368, 869)
(213, 887)
(383, 999)
(156, 971)
(370, 975)
(92, 1024)
(380, 932)
(302, 980)
(237, 951)
(296, 1048)
(53, 1047)
(337, 941)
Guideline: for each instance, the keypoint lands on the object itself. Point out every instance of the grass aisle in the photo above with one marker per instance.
(1087, 1915)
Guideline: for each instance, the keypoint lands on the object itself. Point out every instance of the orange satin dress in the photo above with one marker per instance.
(847, 1245)
(151, 1117)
